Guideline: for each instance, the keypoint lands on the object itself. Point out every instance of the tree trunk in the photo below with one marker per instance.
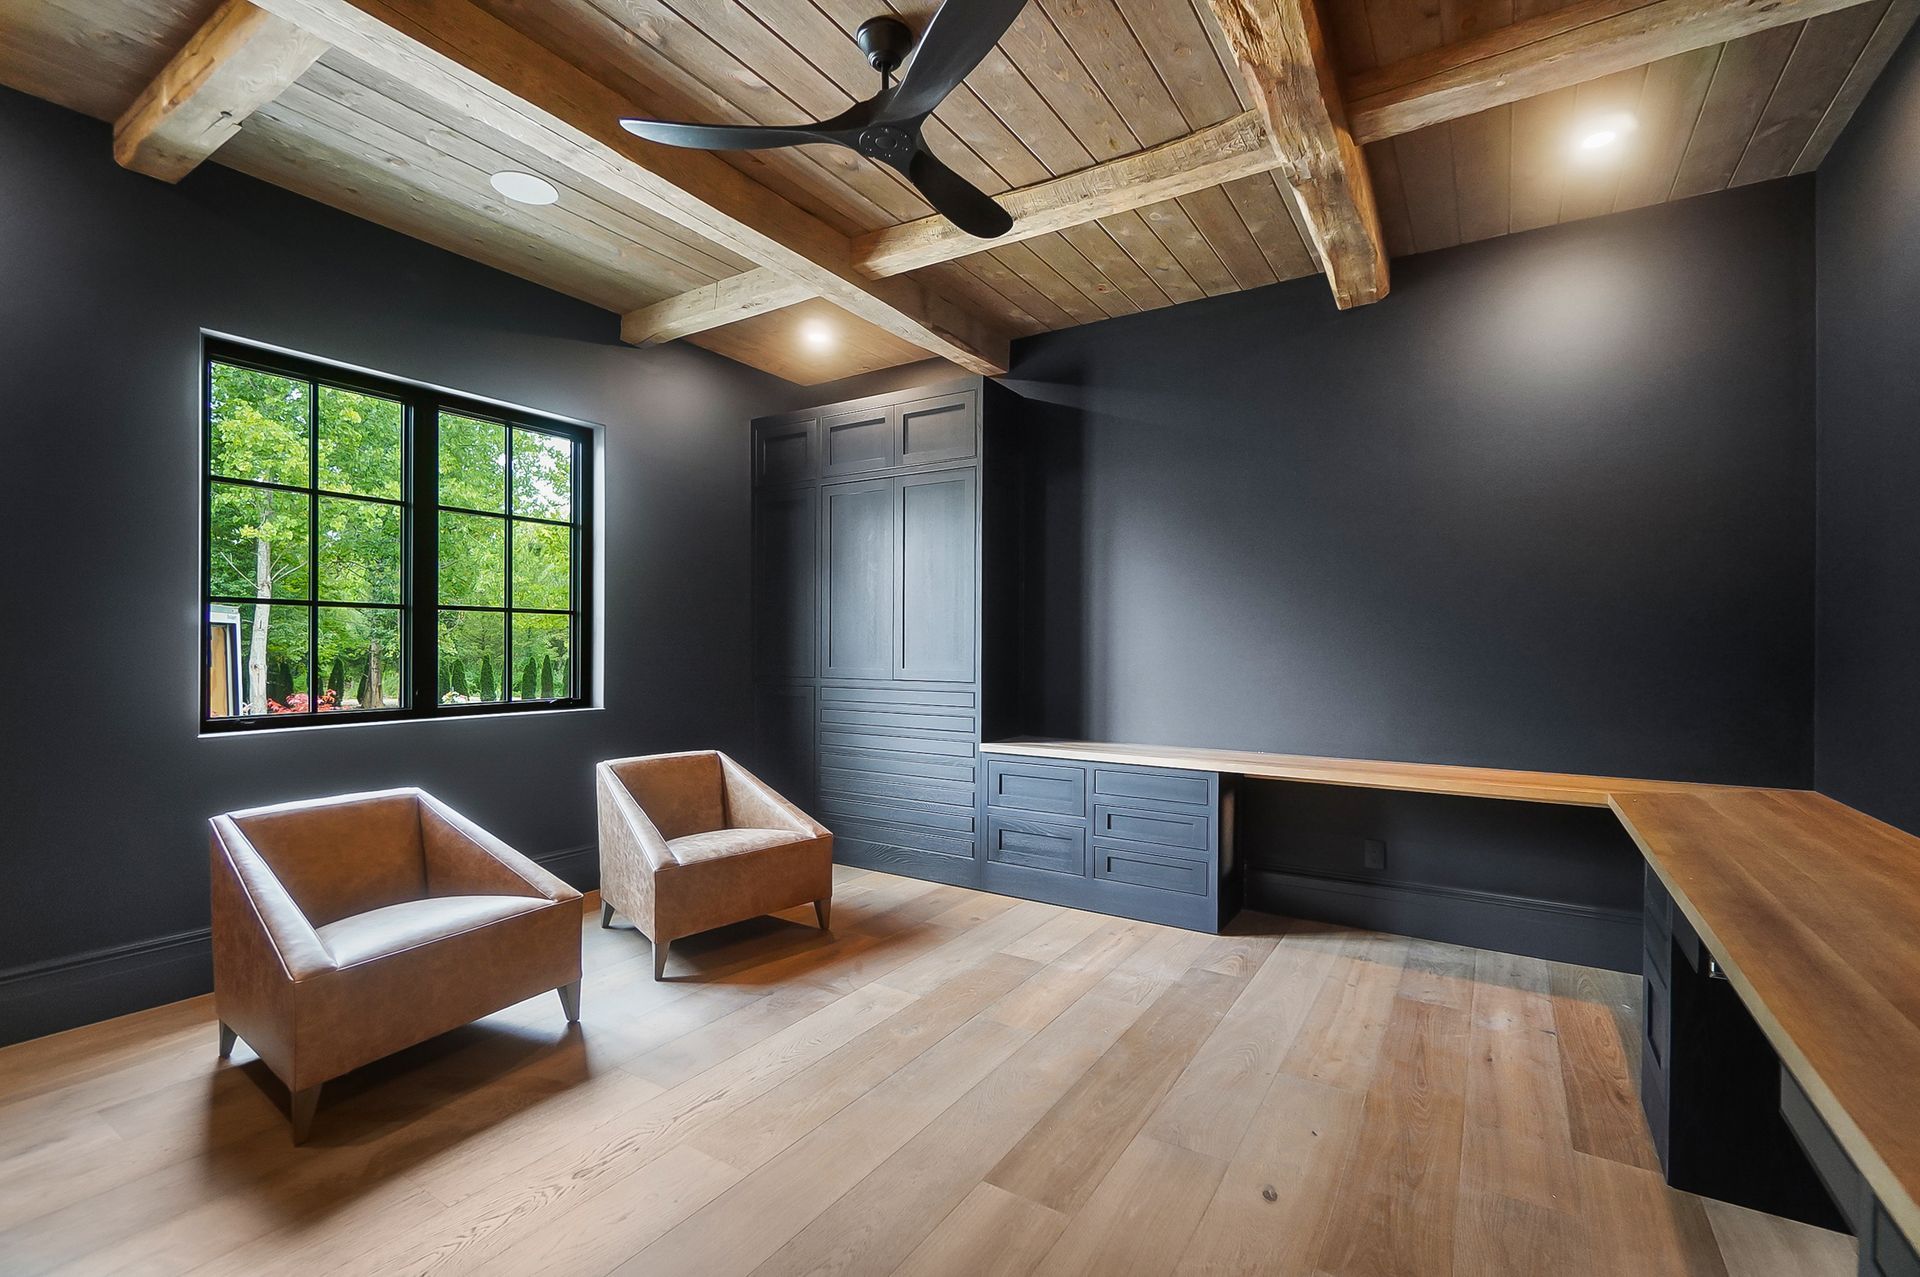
(375, 695)
(262, 614)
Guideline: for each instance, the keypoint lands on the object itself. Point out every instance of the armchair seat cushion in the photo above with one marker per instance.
(721, 843)
(380, 933)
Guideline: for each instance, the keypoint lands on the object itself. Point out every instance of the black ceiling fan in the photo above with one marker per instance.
(886, 127)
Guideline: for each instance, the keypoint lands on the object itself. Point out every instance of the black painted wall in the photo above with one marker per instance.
(1869, 466)
(106, 280)
(1548, 506)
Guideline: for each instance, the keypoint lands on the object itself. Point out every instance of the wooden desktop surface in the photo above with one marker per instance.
(1812, 908)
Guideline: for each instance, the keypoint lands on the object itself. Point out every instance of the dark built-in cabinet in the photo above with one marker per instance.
(870, 530)
(886, 570)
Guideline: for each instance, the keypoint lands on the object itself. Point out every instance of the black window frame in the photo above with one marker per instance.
(420, 509)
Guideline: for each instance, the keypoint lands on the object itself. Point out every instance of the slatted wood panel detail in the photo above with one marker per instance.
(1074, 83)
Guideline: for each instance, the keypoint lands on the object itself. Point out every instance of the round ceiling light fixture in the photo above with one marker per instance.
(817, 334)
(1603, 135)
(525, 188)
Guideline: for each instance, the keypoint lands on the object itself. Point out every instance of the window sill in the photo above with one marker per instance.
(302, 729)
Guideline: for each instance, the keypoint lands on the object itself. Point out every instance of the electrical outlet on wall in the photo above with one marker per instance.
(1373, 854)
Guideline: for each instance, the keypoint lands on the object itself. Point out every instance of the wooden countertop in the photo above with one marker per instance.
(1426, 778)
(1812, 908)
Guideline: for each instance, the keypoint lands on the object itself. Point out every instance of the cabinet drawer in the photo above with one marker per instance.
(1830, 1161)
(1143, 868)
(1193, 789)
(1185, 830)
(1659, 905)
(1657, 1021)
(1058, 790)
(1055, 847)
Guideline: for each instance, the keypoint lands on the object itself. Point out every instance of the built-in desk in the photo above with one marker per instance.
(1810, 910)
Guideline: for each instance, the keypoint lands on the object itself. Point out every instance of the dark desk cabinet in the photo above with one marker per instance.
(874, 617)
(1710, 1081)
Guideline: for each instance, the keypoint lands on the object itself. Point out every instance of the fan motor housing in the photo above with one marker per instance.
(886, 41)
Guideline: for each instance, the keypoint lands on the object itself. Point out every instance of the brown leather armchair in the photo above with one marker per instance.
(693, 841)
(345, 929)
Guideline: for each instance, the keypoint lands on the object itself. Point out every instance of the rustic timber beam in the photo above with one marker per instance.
(1535, 56)
(239, 60)
(1554, 51)
(1224, 152)
(1283, 57)
(481, 68)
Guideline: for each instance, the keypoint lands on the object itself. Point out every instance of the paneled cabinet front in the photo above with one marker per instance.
(858, 550)
(786, 581)
(936, 610)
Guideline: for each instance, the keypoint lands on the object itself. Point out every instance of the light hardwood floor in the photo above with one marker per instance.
(950, 1082)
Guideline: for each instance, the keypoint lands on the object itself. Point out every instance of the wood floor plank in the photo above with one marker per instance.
(1602, 1090)
(992, 1233)
(1062, 1158)
(949, 1082)
(1137, 1222)
(1280, 1183)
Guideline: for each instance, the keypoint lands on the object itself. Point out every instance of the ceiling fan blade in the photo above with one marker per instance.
(720, 137)
(955, 198)
(960, 34)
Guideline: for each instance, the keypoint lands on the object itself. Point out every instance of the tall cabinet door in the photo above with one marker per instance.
(857, 551)
(786, 558)
(939, 574)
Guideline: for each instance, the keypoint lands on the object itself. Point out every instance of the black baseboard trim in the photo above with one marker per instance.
(1587, 935)
(64, 993)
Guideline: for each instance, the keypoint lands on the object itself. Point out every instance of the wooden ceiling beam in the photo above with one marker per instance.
(1281, 49)
(239, 60)
(1539, 55)
(1224, 152)
(484, 70)
(1554, 51)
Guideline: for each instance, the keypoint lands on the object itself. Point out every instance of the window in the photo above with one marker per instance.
(375, 549)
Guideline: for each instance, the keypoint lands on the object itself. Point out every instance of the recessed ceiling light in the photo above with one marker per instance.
(1603, 135)
(525, 188)
(816, 334)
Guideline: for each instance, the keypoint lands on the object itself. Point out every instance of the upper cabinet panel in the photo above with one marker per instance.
(786, 556)
(939, 573)
(857, 529)
(859, 442)
(785, 452)
(943, 429)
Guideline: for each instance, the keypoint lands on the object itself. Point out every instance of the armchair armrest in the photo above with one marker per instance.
(463, 859)
(264, 908)
(624, 827)
(752, 804)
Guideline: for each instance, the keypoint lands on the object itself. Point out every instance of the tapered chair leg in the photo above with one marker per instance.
(304, 1103)
(606, 914)
(823, 909)
(227, 1039)
(660, 959)
(570, 1001)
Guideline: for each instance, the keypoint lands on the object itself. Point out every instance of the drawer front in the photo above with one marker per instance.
(1893, 1255)
(1658, 1021)
(1058, 790)
(1037, 844)
(1140, 867)
(1191, 789)
(1187, 831)
(1659, 949)
(1830, 1161)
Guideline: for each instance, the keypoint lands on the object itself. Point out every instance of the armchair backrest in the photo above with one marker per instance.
(341, 856)
(680, 793)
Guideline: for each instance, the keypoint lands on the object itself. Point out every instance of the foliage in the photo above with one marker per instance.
(276, 554)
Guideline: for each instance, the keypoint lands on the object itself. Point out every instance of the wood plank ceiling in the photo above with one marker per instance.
(1074, 83)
